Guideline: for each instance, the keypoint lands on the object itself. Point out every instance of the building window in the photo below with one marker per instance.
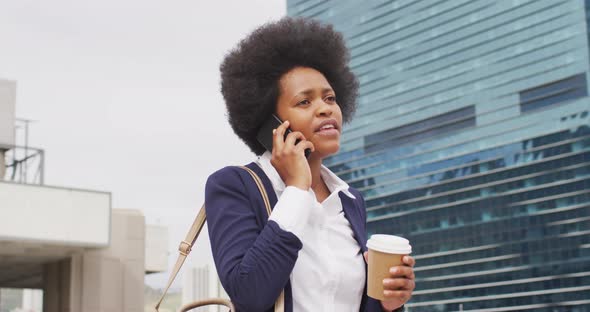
(556, 92)
(421, 130)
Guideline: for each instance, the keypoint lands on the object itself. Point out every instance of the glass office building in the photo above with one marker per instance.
(472, 139)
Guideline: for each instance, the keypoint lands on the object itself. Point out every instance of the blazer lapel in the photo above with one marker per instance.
(352, 213)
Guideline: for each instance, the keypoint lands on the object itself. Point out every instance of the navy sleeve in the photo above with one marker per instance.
(253, 262)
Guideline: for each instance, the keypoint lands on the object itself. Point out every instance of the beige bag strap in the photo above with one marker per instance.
(186, 245)
(280, 303)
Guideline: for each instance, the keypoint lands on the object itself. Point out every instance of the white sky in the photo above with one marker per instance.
(126, 95)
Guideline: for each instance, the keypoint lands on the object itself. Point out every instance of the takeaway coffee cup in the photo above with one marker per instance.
(385, 251)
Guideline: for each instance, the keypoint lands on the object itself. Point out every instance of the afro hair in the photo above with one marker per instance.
(251, 72)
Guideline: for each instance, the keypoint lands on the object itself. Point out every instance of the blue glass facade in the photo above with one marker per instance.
(472, 139)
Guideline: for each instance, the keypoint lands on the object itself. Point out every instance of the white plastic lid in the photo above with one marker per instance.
(389, 244)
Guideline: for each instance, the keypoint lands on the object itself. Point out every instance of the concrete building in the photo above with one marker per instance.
(156, 244)
(7, 119)
(200, 283)
(471, 139)
(32, 300)
(68, 242)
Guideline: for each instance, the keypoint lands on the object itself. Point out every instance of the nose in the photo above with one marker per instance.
(325, 109)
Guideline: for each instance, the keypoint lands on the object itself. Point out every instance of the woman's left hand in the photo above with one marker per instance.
(399, 286)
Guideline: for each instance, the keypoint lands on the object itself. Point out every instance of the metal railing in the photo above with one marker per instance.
(24, 164)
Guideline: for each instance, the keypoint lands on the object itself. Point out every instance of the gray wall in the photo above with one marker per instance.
(7, 112)
(103, 280)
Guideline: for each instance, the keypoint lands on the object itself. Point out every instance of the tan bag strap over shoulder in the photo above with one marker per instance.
(186, 245)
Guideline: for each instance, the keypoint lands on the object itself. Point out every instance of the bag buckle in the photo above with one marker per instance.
(184, 248)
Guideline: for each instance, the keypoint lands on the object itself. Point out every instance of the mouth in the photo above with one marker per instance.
(328, 127)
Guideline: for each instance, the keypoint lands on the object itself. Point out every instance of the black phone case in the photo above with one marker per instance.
(265, 136)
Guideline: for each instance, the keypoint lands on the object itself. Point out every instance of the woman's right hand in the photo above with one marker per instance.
(289, 159)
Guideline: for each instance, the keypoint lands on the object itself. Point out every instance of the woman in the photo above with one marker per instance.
(313, 243)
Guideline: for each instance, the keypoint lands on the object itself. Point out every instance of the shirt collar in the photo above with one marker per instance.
(334, 183)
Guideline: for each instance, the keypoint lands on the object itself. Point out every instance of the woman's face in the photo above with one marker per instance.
(308, 102)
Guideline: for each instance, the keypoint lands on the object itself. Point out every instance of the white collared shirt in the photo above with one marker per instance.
(329, 274)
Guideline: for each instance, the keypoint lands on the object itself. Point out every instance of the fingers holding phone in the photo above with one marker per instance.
(288, 157)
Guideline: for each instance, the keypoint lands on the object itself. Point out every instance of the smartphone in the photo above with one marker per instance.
(264, 135)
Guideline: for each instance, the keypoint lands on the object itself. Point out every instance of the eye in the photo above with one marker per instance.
(303, 102)
(330, 99)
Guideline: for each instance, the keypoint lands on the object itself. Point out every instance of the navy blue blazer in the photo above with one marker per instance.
(253, 256)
